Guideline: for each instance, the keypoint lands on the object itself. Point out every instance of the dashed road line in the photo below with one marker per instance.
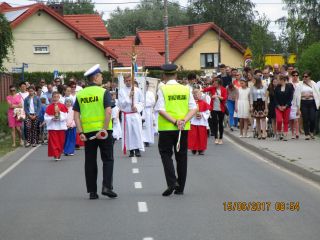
(148, 238)
(138, 185)
(142, 207)
(134, 159)
(135, 170)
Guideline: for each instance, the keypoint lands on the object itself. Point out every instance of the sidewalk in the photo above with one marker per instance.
(300, 156)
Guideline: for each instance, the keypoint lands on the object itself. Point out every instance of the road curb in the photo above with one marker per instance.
(285, 164)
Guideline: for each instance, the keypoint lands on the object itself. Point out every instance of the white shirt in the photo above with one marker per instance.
(44, 89)
(318, 85)
(24, 95)
(78, 88)
(160, 105)
(31, 110)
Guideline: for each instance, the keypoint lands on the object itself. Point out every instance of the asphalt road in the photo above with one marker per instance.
(45, 200)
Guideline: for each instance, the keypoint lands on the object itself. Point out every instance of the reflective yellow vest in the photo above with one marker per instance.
(176, 98)
(92, 112)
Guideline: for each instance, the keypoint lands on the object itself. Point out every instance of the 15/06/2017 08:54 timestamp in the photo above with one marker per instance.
(261, 206)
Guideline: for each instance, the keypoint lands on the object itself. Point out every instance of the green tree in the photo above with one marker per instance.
(6, 40)
(75, 7)
(261, 42)
(148, 15)
(302, 25)
(235, 17)
(309, 60)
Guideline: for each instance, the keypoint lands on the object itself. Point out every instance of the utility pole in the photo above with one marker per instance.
(166, 35)
(219, 49)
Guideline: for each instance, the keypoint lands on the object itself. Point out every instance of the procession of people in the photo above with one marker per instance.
(261, 103)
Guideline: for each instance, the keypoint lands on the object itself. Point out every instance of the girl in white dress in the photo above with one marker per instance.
(242, 107)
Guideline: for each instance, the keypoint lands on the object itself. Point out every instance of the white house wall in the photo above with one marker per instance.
(67, 53)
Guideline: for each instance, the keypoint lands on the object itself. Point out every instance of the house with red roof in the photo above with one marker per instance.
(147, 57)
(195, 47)
(91, 24)
(47, 41)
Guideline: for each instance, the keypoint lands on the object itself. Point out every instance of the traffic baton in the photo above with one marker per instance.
(102, 133)
(178, 142)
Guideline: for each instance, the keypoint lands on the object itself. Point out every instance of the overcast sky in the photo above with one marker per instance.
(273, 9)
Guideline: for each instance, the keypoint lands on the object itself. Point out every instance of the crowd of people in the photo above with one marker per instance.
(261, 103)
(266, 103)
(28, 110)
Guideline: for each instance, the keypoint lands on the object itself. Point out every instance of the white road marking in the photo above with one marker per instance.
(269, 162)
(9, 169)
(134, 160)
(142, 207)
(148, 238)
(138, 185)
(135, 170)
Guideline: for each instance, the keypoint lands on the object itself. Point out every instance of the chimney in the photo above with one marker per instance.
(57, 7)
(190, 31)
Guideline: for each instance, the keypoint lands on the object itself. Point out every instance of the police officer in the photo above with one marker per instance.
(176, 106)
(93, 119)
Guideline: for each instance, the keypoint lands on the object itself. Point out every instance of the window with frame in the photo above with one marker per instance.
(209, 60)
(41, 49)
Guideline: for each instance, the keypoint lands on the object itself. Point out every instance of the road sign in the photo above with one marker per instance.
(55, 73)
(17, 70)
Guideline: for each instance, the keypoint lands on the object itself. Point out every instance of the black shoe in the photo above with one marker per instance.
(201, 153)
(168, 191)
(137, 153)
(178, 192)
(108, 192)
(146, 144)
(93, 195)
(194, 152)
(131, 153)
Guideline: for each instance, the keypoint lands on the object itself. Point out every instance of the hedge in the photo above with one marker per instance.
(181, 74)
(34, 77)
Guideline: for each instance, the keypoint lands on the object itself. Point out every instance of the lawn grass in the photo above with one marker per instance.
(4, 128)
(6, 143)
(6, 146)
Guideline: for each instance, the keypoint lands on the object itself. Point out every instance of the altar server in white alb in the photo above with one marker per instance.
(148, 117)
(56, 121)
(131, 118)
(117, 132)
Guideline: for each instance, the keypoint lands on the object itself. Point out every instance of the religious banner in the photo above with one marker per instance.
(153, 83)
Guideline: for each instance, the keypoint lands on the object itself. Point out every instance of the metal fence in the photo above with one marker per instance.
(5, 81)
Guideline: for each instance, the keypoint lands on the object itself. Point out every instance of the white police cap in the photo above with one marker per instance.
(93, 70)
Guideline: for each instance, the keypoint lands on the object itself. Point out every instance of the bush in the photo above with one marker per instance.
(4, 128)
(181, 74)
(34, 77)
(309, 60)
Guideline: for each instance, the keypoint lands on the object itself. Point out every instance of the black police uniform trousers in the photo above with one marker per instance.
(167, 145)
(91, 167)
